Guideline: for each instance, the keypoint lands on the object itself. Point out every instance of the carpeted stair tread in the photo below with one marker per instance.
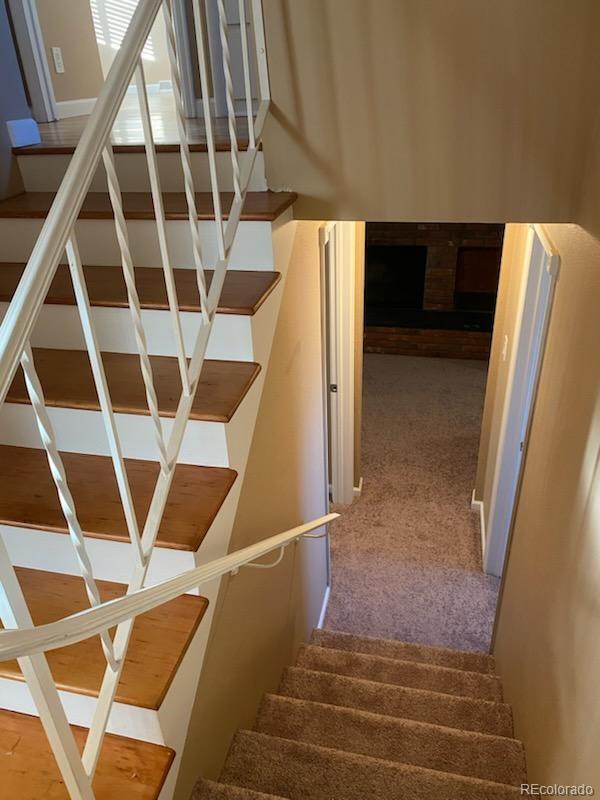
(404, 651)
(301, 771)
(482, 716)
(402, 673)
(477, 755)
(208, 790)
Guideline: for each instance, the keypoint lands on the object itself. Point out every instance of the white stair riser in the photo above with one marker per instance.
(137, 723)
(59, 327)
(98, 243)
(80, 431)
(44, 173)
(111, 561)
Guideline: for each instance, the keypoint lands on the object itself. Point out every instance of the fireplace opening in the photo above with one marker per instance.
(394, 282)
(430, 288)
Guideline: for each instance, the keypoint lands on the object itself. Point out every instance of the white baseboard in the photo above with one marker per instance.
(358, 489)
(321, 621)
(75, 108)
(477, 505)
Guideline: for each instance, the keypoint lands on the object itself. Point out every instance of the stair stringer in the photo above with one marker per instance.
(175, 711)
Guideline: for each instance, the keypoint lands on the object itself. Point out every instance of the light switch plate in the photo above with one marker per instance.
(59, 64)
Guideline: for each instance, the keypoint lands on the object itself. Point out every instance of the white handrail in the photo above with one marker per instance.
(93, 621)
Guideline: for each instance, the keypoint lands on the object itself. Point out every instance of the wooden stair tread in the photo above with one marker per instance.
(127, 768)
(47, 149)
(62, 136)
(244, 291)
(196, 495)
(159, 639)
(259, 206)
(67, 380)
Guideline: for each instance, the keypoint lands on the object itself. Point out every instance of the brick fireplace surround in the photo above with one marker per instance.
(444, 242)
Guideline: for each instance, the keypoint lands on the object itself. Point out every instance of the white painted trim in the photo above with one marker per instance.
(527, 353)
(32, 50)
(478, 507)
(338, 243)
(75, 108)
(358, 489)
(182, 37)
(324, 606)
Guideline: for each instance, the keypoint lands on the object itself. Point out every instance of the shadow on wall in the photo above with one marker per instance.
(424, 111)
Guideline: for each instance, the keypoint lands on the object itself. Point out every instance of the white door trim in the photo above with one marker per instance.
(535, 302)
(32, 50)
(182, 36)
(338, 259)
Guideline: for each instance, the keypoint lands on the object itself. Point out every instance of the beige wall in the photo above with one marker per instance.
(432, 110)
(262, 615)
(547, 644)
(68, 24)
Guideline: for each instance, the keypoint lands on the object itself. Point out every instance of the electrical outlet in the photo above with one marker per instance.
(59, 64)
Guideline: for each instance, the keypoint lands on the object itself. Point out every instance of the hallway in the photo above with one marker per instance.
(406, 556)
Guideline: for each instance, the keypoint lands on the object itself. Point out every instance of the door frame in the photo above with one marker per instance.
(535, 306)
(337, 241)
(30, 43)
(183, 37)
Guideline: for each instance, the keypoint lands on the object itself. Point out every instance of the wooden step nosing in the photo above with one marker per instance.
(10, 208)
(93, 404)
(146, 305)
(28, 728)
(108, 537)
(66, 596)
(124, 149)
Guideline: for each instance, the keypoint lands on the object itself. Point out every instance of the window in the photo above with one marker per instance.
(111, 20)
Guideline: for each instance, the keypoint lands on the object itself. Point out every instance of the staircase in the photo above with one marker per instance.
(360, 718)
(156, 690)
(125, 431)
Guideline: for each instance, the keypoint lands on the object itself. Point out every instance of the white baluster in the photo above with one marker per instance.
(57, 469)
(14, 613)
(159, 213)
(231, 121)
(246, 65)
(134, 303)
(208, 125)
(186, 162)
(110, 425)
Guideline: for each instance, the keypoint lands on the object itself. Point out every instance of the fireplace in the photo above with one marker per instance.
(394, 282)
(431, 288)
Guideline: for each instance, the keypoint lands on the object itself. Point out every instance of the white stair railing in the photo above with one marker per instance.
(58, 237)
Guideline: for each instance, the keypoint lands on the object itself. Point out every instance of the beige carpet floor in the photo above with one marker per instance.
(406, 556)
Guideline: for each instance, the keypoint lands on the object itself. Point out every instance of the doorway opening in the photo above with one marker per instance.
(411, 558)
